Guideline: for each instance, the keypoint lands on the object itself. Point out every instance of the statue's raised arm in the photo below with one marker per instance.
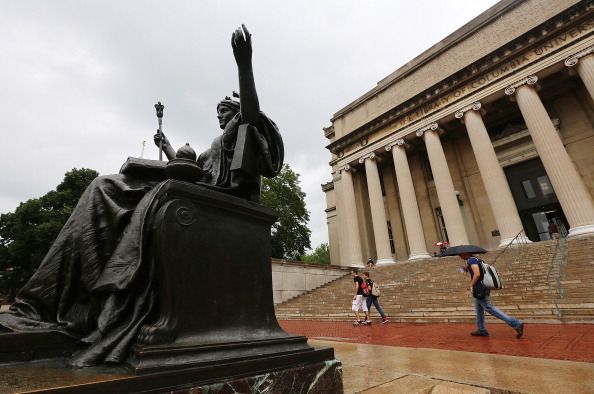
(241, 42)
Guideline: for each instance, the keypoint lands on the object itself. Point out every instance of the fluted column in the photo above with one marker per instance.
(350, 242)
(408, 201)
(583, 61)
(568, 184)
(444, 185)
(378, 211)
(498, 191)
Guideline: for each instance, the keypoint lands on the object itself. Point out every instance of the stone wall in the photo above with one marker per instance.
(292, 278)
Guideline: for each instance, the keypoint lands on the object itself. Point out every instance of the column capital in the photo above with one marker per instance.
(530, 80)
(346, 168)
(575, 58)
(476, 106)
(429, 127)
(371, 155)
(400, 142)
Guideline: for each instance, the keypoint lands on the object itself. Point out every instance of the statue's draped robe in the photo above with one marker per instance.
(96, 283)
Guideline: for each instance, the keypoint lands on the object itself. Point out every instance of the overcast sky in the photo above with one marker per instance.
(79, 78)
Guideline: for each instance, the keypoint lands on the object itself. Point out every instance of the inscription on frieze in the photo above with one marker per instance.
(499, 72)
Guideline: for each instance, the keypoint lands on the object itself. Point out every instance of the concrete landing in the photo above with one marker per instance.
(377, 369)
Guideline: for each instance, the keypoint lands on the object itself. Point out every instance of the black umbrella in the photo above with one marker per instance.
(459, 249)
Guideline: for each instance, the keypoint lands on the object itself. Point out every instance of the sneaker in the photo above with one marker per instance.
(384, 320)
(520, 331)
(479, 334)
(356, 323)
(367, 322)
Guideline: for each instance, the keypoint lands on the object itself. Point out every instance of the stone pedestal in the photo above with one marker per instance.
(215, 323)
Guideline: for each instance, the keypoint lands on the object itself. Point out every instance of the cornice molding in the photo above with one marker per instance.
(327, 186)
(443, 46)
(509, 51)
(574, 59)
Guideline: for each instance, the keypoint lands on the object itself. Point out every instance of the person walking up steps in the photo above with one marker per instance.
(359, 299)
(482, 300)
(374, 294)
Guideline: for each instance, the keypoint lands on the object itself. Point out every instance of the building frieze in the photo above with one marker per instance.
(479, 95)
(556, 34)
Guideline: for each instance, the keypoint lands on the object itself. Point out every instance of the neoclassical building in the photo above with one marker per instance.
(487, 134)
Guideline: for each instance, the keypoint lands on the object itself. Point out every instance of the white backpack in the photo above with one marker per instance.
(491, 279)
(375, 289)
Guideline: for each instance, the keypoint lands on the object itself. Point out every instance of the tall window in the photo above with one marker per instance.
(545, 185)
(391, 238)
(441, 223)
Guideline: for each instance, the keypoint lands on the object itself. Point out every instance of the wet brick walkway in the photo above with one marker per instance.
(553, 341)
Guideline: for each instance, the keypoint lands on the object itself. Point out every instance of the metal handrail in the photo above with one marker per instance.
(558, 265)
(512, 242)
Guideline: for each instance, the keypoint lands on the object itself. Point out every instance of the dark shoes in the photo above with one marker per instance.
(520, 331)
(479, 334)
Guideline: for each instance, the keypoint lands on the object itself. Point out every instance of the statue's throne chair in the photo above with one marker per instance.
(214, 292)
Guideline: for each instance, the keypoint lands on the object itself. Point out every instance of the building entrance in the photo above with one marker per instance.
(535, 199)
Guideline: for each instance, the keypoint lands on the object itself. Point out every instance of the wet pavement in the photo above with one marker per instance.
(573, 342)
(375, 369)
(444, 358)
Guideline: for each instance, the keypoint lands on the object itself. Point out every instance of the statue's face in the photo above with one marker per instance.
(224, 114)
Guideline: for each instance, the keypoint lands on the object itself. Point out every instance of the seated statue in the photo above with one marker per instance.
(96, 283)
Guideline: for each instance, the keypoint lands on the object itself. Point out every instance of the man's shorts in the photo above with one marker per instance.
(360, 303)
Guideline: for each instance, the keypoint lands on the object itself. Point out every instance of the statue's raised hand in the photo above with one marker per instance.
(241, 42)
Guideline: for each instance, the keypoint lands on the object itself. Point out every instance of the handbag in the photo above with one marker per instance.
(479, 290)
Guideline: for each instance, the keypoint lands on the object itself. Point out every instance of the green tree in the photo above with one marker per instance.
(321, 255)
(290, 235)
(27, 233)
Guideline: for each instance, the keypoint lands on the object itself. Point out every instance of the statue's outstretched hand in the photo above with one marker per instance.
(241, 42)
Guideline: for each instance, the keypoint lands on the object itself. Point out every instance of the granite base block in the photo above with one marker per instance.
(319, 378)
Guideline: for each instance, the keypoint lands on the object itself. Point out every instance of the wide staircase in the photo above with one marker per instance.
(545, 282)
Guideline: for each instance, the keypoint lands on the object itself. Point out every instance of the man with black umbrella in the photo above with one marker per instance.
(480, 294)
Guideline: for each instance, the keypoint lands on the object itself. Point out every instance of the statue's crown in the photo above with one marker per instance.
(229, 102)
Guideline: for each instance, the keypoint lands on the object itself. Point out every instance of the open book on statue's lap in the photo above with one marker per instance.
(181, 169)
(144, 168)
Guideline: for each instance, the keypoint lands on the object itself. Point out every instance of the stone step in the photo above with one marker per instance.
(434, 290)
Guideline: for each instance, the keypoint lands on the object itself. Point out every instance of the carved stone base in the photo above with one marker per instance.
(322, 378)
(313, 372)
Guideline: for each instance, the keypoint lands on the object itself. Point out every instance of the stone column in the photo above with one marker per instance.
(378, 211)
(584, 64)
(498, 191)
(408, 200)
(350, 242)
(444, 185)
(569, 186)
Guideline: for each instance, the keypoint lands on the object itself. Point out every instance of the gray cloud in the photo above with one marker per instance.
(79, 78)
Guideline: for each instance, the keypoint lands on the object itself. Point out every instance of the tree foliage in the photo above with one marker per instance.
(290, 234)
(321, 255)
(27, 233)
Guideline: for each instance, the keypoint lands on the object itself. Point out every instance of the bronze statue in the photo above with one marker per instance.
(96, 283)
(217, 161)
